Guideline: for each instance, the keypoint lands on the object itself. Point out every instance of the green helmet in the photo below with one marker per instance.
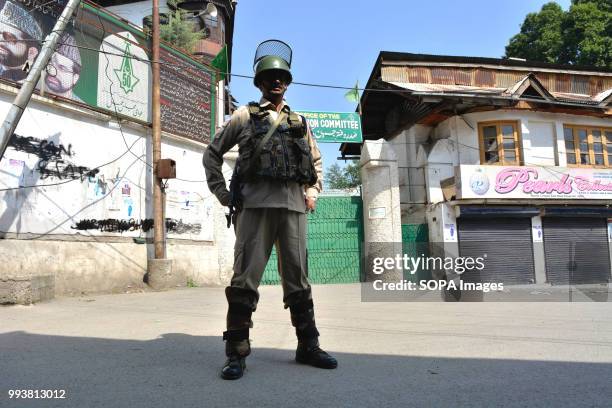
(271, 62)
(272, 54)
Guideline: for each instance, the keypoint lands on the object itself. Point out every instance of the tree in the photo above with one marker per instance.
(540, 38)
(180, 32)
(582, 35)
(343, 178)
(588, 33)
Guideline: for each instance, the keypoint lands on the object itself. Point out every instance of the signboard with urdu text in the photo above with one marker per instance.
(334, 127)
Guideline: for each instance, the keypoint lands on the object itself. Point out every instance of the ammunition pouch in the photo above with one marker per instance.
(284, 155)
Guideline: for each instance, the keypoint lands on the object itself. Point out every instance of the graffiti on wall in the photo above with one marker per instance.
(52, 158)
(51, 178)
(115, 225)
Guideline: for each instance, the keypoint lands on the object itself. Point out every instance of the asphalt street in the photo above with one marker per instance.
(163, 349)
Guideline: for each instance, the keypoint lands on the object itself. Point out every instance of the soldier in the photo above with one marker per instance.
(280, 172)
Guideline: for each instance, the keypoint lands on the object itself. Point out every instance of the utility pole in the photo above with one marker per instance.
(27, 88)
(159, 269)
(158, 193)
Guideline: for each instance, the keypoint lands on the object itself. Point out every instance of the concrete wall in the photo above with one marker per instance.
(412, 187)
(443, 238)
(381, 206)
(81, 226)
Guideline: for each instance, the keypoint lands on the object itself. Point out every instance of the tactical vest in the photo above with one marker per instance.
(285, 156)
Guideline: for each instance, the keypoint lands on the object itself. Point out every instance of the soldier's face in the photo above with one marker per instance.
(14, 51)
(273, 83)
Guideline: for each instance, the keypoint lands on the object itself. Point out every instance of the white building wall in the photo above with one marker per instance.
(69, 228)
(456, 141)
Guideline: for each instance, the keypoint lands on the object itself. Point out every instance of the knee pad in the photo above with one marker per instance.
(298, 297)
(302, 318)
(241, 295)
(239, 316)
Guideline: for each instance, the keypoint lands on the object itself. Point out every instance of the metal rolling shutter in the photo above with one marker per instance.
(507, 243)
(576, 248)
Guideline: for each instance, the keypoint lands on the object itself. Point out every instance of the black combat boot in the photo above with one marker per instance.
(302, 317)
(309, 352)
(236, 352)
(237, 347)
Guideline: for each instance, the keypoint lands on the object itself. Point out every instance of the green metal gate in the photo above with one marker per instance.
(415, 243)
(334, 242)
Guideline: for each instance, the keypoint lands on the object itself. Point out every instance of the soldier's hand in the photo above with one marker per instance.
(311, 203)
(224, 198)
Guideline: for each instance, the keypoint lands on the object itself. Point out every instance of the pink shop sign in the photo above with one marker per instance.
(535, 182)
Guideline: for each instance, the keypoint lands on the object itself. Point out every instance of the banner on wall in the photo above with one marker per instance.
(104, 63)
(534, 182)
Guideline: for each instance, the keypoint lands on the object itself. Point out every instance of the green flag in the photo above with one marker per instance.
(352, 95)
(220, 63)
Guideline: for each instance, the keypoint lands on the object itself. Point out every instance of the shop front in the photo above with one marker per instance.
(535, 224)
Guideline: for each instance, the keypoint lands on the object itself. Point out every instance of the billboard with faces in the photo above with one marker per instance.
(104, 62)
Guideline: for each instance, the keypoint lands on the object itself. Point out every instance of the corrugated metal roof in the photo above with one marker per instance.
(485, 91)
(575, 88)
(447, 88)
(507, 79)
(504, 62)
(576, 98)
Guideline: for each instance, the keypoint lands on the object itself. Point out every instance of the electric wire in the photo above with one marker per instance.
(197, 68)
(117, 113)
(71, 180)
(209, 69)
(186, 65)
(71, 217)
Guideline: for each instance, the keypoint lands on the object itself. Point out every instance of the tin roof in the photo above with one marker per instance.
(558, 87)
(405, 57)
(404, 89)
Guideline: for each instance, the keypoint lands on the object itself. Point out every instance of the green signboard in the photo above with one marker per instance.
(334, 127)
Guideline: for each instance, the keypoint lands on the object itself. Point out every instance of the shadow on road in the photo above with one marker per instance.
(178, 370)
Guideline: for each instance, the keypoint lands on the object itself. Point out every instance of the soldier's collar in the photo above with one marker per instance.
(266, 104)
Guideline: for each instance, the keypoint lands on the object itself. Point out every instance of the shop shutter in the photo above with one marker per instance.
(576, 250)
(507, 245)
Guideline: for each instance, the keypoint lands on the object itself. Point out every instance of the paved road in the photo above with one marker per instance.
(163, 350)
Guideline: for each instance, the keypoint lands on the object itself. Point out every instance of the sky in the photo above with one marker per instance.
(337, 42)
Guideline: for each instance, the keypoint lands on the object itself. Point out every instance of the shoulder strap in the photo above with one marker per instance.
(298, 122)
(253, 108)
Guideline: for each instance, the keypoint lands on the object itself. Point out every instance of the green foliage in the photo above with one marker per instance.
(588, 32)
(540, 38)
(180, 33)
(343, 178)
(191, 283)
(582, 35)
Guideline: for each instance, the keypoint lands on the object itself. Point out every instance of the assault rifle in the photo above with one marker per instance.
(235, 203)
